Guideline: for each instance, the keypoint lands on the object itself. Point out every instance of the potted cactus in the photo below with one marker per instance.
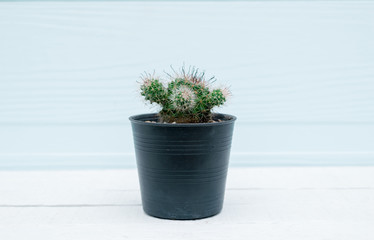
(183, 151)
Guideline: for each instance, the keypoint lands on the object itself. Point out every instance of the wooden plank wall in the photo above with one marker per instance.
(301, 73)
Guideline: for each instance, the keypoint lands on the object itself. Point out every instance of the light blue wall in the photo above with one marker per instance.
(302, 75)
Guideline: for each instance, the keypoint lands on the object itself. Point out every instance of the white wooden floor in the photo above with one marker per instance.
(261, 203)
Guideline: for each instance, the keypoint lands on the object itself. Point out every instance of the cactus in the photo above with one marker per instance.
(188, 97)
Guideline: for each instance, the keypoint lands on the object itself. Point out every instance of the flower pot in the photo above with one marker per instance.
(182, 167)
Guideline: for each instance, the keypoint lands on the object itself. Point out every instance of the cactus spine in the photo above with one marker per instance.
(187, 97)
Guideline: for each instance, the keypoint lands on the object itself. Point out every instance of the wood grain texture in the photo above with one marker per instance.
(285, 61)
(301, 73)
(262, 203)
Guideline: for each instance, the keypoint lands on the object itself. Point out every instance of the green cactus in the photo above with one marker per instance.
(187, 97)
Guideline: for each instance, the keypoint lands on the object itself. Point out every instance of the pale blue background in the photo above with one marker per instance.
(302, 75)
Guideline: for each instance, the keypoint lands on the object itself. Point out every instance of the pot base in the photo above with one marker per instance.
(182, 218)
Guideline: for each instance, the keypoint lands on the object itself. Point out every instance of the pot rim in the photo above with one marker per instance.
(135, 119)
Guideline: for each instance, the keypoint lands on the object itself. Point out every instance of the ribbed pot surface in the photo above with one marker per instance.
(182, 167)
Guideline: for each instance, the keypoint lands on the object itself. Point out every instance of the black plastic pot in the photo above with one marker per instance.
(182, 167)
